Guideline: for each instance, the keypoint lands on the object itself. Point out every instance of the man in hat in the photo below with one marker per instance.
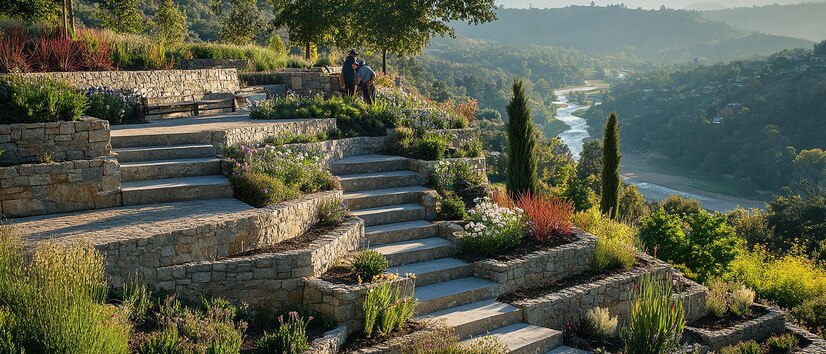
(364, 81)
(347, 79)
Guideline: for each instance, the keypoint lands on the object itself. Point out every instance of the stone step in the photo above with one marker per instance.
(444, 295)
(391, 214)
(380, 180)
(567, 350)
(414, 251)
(368, 164)
(435, 271)
(522, 338)
(402, 231)
(162, 169)
(477, 317)
(381, 197)
(195, 138)
(175, 189)
(150, 153)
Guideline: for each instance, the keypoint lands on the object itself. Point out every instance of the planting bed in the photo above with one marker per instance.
(387, 344)
(770, 322)
(809, 343)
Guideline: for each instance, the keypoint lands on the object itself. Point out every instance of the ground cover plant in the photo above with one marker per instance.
(616, 242)
(458, 186)
(32, 100)
(270, 175)
(492, 229)
(443, 340)
(115, 106)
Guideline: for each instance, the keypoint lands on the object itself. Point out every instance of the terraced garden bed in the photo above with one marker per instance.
(770, 321)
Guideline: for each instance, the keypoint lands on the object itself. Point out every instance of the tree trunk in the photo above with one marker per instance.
(72, 17)
(307, 51)
(384, 61)
(65, 19)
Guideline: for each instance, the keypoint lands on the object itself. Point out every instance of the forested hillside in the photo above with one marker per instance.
(760, 121)
(800, 20)
(662, 35)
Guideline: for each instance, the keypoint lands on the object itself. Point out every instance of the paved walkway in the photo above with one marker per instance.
(224, 121)
(106, 225)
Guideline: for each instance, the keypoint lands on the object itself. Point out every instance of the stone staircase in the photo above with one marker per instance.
(385, 194)
(164, 168)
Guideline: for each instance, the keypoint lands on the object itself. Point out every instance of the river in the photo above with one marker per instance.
(653, 183)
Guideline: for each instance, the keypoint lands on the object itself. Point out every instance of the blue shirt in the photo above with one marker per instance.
(365, 73)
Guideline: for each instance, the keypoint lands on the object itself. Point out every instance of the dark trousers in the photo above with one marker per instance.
(368, 92)
(350, 89)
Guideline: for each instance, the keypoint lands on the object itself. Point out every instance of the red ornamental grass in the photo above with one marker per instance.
(12, 51)
(548, 218)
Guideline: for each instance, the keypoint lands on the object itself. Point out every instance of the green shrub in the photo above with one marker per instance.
(812, 312)
(323, 61)
(53, 299)
(657, 318)
(295, 62)
(387, 306)
(741, 300)
(259, 189)
(115, 106)
(289, 338)
(453, 208)
(612, 254)
(784, 343)
(789, 280)
(166, 341)
(747, 347)
(430, 147)
(34, 100)
(472, 148)
(260, 58)
(717, 299)
(260, 78)
(332, 212)
(369, 263)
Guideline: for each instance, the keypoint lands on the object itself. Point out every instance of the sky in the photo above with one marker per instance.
(650, 4)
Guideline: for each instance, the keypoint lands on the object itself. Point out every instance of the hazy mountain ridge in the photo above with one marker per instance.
(661, 35)
(801, 21)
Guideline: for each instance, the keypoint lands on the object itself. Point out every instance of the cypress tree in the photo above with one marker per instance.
(522, 161)
(609, 203)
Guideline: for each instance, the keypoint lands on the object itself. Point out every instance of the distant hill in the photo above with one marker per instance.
(659, 35)
(806, 21)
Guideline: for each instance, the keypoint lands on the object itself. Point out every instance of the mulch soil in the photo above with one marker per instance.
(295, 243)
(610, 345)
(527, 247)
(553, 286)
(341, 275)
(359, 341)
(729, 320)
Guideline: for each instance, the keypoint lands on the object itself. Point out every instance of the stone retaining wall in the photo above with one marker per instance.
(256, 134)
(331, 150)
(330, 343)
(757, 329)
(310, 82)
(270, 279)
(195, 64)
(340, 302)
(153, 83)
(567, 305)
(59, 187)
(541, 266)
(694, 298)
(236, 233)
(56, 141)
(818, 344)
(426, 168)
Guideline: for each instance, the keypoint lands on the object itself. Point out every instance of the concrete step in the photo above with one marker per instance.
(477, 317)
(522, 338)
(414, 251)
(381, 197)
(435, 271)
(196, 138)
(402, 231)
(444, 295)
(567, 350)
(380, 180)
(175, 189)
(162, 169)
(368, 164)
(390, 214)
(150, 153)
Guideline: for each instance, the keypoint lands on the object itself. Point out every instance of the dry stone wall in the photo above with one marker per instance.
(37, 189)
(773, 322)
(153, 83)
(427, 168)
(540, 266)
(331, 150)
(270, 279)
(257, 133)
(311, 82)
(56, 141)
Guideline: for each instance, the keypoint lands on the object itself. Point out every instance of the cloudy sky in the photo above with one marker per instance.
(696, 4)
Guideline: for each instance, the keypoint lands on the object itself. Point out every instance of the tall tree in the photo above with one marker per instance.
(521, 171)
(239, 22)
(404, 27)
(31, 10)
(170, 23)
(609, 201)
(122, 16)
(312, 21)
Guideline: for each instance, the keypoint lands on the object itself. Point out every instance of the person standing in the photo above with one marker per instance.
(347, 79)
(364, 81)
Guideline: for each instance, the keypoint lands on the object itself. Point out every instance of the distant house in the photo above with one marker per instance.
(717, 120)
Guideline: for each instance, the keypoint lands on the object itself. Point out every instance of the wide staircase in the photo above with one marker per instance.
(159, 168)
(385, 194)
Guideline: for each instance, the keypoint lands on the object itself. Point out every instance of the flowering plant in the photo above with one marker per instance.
(291, 336)
(492, 228)
(114, 105)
